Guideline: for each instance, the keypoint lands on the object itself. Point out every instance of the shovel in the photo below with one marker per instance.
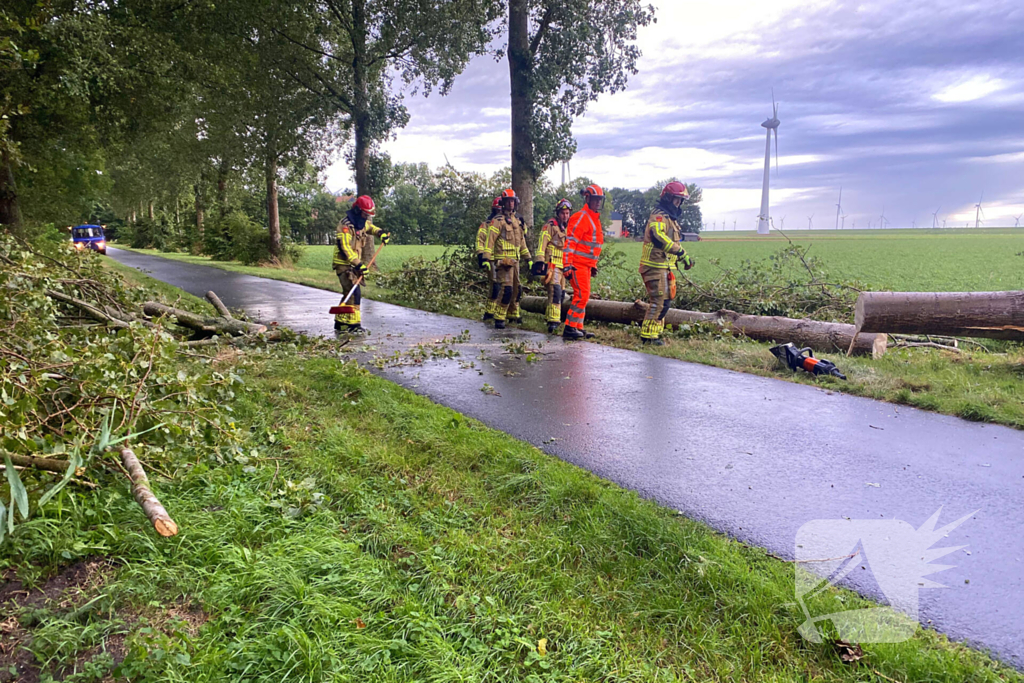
(344, 307)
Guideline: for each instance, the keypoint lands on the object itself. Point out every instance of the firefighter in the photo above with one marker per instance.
(353, 230)
(506, 246)
(550, 257)
(663, 249)
(583, 241)
(484, 259)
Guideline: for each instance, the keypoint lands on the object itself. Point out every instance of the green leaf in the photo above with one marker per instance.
(3, 516)
(133, 435)
(76, 462)
(18, 493)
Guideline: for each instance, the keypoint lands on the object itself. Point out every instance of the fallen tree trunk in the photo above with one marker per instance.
(144, 496)
(202, 324)
(820, 336)
(992, 315)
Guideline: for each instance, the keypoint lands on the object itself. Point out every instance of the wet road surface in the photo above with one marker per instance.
(750, 456)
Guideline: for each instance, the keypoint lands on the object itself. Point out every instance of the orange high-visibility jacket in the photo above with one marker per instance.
(583, 238)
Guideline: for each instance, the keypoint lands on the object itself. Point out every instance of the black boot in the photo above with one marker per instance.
(488, 316)
(517, 321)
(653, 342)
(356, 329)
(338, 327)
(499, 324)
(553, 327)
(588, 335)
(571, 333)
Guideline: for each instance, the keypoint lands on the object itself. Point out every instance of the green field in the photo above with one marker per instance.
(899, 260)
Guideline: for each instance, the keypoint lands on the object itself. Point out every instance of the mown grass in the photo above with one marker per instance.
(375, 536)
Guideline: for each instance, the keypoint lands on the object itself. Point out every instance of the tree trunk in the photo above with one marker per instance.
(200, 209)
(273, 219)
(994, 315)
(820, 336)
(151, 211)
(222, 185)
(360, 115)
(520, 69)
(10, 207)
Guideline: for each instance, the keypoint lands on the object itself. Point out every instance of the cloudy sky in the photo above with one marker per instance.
(910, 106)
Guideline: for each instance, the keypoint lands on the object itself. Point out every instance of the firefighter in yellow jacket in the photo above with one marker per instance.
(484, 260)
(353, 229)
(506, 246)
(550, 259)
(663, 249)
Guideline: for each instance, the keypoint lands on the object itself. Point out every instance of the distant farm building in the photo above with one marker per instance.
(615, 229)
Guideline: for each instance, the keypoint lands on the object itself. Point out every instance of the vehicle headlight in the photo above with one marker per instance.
(101, 244)
(79, 245)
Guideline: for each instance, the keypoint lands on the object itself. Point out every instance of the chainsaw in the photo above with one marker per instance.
(797, 360)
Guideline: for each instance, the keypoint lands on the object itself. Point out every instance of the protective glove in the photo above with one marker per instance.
(593, 271)
(360, 268)
(385, 237)
(569, 271)
(686, 260)
(480, 261)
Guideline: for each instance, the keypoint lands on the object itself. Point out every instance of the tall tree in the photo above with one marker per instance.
(352, 51)
(562, 54)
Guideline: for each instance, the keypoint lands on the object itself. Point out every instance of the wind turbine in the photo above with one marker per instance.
(978, 211)
(943, 222)
(566, 170)
(769, 125)
(843, 226)
(882, 220)
(935, 218)
(783, 222)
(1016, 221)
(810, 221)
(839, 206)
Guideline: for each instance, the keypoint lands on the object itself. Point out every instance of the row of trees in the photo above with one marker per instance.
(177, 113)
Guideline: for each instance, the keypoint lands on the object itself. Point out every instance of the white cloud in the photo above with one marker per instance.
(968, 90)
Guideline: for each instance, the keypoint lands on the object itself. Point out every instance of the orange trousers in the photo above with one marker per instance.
(580, 296)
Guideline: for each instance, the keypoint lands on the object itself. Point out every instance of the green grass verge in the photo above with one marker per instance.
(370, 535)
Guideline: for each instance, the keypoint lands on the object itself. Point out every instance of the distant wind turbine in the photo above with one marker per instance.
(839, 206)
(1016, 221)
(783, 222)
(810, 221)
(943, 222)
(913, 223)
(978, 212)
(935, 218)
(882, 220)
(769, 125)
(843, 226)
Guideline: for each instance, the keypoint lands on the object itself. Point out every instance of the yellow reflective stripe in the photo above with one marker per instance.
(347, 251)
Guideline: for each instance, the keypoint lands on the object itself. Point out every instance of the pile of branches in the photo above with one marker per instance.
(88, 379)
(452, 280)
(788, 283)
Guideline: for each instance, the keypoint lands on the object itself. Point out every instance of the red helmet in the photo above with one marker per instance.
(496, 204)
(509, 194)
(365, 204)
(676, 189)
(563, 204)
(592, 191)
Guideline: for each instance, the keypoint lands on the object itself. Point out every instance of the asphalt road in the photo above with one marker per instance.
(755, 458)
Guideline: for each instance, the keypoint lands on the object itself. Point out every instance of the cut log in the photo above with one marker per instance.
(212, 297)
(820, 336)
(203, 324)
(992, 315)
(144, 496)
(92, 311)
